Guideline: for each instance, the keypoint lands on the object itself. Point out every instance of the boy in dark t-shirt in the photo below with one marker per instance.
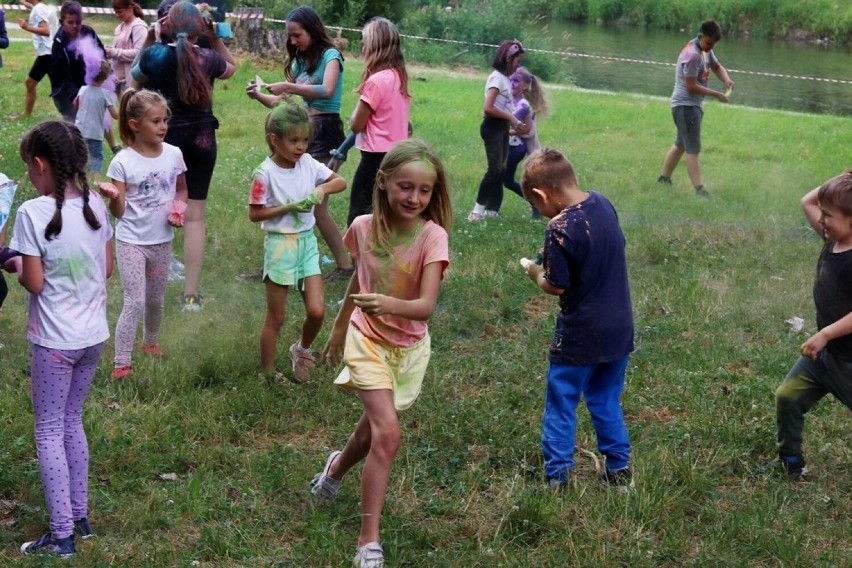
(584, 264)
(826, 362)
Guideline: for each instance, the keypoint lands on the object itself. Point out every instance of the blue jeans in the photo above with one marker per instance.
(601, 386)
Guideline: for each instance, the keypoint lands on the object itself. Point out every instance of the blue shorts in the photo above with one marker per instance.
(96, 154)
(688, 122)
(290, 257)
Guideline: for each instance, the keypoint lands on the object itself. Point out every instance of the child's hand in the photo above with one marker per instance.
(812, 347)
(176, 215)
(533, 270)
(333, 350)
(253, 90)
(107, 189)
(373, 304)
(334, 163)
(10, 260)
(308, 203)
(14, 264)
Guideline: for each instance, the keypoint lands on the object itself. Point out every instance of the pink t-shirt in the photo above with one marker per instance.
(388, 124)
(396, 275)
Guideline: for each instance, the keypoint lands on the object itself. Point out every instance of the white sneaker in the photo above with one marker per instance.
(303, 361)
(324, 487)
(370, 555)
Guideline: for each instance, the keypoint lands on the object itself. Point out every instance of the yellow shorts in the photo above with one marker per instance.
(373, 366)
(290, 257)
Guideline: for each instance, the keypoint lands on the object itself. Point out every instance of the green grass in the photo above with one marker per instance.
(712, 283)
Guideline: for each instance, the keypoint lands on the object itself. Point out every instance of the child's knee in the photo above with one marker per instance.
(315, 313)
(785, 395)
(276, 319)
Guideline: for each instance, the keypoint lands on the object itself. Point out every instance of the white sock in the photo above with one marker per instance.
(479, 209)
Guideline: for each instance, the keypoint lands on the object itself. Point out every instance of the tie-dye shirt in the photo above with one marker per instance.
(70, 311)
(397, 275)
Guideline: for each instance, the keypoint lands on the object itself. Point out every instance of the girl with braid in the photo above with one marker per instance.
(149, 199)
(65, 237)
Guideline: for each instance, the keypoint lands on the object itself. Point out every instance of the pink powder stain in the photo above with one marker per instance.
(258, 193)
(157, 271)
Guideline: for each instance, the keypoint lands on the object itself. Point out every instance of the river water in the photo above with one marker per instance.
(642, 61)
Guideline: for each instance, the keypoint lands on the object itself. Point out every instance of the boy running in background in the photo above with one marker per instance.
(42, 23)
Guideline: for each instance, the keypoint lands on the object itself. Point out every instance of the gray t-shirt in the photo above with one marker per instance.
(692, 62)
(93, 102)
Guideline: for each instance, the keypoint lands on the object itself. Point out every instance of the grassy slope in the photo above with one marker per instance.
(712, 281)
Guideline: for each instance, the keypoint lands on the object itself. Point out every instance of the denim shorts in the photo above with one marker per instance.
(688, 122)
(96, 154)
(290, 257)
(371, 365)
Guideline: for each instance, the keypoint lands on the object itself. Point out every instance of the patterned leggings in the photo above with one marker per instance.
(144, 274)
(60, 383)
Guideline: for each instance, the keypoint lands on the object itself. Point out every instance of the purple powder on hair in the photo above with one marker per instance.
(88, 49)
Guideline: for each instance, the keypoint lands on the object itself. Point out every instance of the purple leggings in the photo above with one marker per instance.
(60, 383)
(144, 274)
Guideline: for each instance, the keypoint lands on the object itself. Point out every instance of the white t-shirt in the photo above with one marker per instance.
(70, 311)
(149, 193)
(273, 185)
(43, 13)
(90, 116)
(504, 91)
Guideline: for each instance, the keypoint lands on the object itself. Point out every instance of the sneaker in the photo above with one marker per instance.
(474, 217)
(152, 349)
(340, 274)
(491, 214)
(324, 487)
(795, 467)
(83, 529)
(64, 547)
(702, 191)
(621, 478)
(370, 555)
(191, 303)
(121, 372)
(303, 361)
(663, 180)
(556, 485)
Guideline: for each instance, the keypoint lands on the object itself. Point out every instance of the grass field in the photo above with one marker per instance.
(713, 281)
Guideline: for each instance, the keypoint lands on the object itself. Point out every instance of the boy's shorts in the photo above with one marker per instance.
(40, 67)
(371, 365)
(96, 154)
(688, 122)
(290, 257)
